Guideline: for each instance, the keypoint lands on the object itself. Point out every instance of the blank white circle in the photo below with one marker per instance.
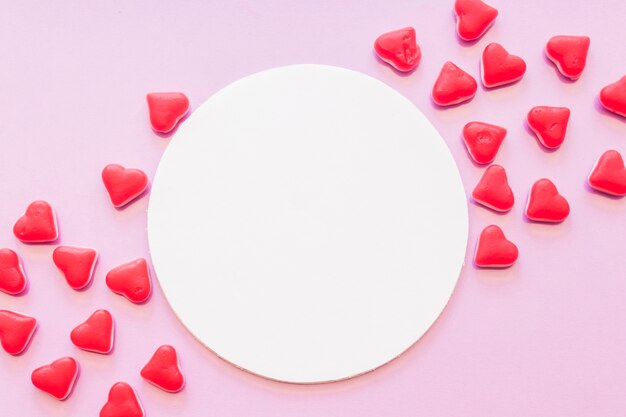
(307, 223)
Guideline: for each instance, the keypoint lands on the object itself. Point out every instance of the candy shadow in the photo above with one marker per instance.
(602, 110)
(563, 78)
(399, 73)
(451, 106)
(534, 136)
(600, 193)
(134, 200)
(172, 132)
(489, 209)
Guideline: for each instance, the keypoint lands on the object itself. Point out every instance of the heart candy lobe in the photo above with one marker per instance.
(166, 109)
(608, 174)
(493, 190)
(38, 224)
(399, 49)
(16, 331)
(76, 264)
(453, 86)
(13, 280)
(131, 280)
(494, 250)
(483, 141)
(57, 378)
(163, 370)
(96, 333)
(545, 204)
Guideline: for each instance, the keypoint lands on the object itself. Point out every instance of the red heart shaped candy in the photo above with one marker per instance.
(96, 333)
(399, 49)
(545, 204)
(608, 174)
(453, 86)
(12, 278)
(498, 67)
(494, 250)
(473, 18)
(549, 124)
(163, 370)
(483, 141)
(613, 97)
(132, 280)
(123, 184)
(58, 378)
(122, 402)
(166, 109)
(493, 190)
(76, 264)
(16, 330)
(569, 54)
(37, 225)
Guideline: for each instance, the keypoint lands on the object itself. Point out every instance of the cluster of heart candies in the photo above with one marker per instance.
(498, 68)
(77, 264)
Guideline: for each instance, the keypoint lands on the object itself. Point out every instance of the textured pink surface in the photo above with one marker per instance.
(544, 338)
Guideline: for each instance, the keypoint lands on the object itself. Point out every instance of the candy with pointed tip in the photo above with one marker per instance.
(399, 49)
(473, 18)
(453, 86)
(613, 97)
(57, 378)
(38, 224)
(122, 402)
(163, 370)
(13, 280)
(131, 280)
(569, 54)
(166, 110)
(499, 68)
(493, 190)
(76, 264)
(483, 141)
(545, 204)
(549, 124)
(608, 175)
(96, 333)
(16, 331)
(494, 250)
(123, 184)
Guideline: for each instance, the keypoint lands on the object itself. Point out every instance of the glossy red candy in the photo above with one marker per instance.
(96, 333)
(166, 109)
(474, 18)
(12, 278)
(483, 141)
(16, 330)
(76, 264)
(163, 370)
(399, 49)
(498, 67)
(549, 124)
(132, 280)
(608, 175)
(123, 184)
(37, 225)
(613, 97)
(453, 86)
(569, 54)
(493, 190)
(494, 250)
(58, 378)
(122, 402)
(545, 204)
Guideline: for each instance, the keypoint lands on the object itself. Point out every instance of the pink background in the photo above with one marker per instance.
(544, 338)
